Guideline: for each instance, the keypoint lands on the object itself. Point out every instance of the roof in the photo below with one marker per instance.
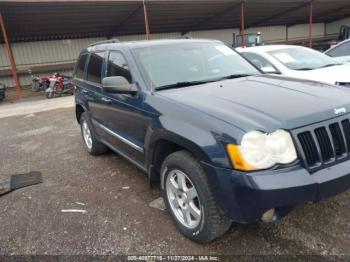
(266, 48)
(29, 20)
(145, 43)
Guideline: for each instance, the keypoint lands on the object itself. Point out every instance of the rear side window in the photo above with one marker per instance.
(341, 50)
(95, 68)
(79, 72)
(117, 66)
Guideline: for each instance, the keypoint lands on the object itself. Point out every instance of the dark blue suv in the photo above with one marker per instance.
(224, 141)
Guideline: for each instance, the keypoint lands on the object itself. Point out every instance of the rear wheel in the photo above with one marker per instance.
(189, 199)
(93, 146)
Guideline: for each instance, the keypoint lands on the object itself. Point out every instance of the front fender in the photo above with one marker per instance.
(200, 142)
(203, 144)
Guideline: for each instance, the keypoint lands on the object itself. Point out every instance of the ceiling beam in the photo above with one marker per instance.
(205, 21)
(125, 22)
(333, 11)
(281, 14)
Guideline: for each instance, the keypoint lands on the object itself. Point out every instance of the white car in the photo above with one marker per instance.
(298, 62)
(340, 52)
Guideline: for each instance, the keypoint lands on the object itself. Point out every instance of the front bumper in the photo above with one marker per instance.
(244, 197)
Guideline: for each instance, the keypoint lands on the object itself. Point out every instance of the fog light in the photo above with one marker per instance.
(268, 215)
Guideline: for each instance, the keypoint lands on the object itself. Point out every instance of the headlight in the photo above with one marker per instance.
(260, 151)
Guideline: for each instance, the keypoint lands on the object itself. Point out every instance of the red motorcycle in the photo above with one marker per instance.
(59, 85)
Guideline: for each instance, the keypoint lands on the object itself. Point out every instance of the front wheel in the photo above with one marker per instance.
(189, 199)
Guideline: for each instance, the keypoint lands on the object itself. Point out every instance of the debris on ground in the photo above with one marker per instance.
(158, 204)
(80, 203)
(74, 211)
(19, 181)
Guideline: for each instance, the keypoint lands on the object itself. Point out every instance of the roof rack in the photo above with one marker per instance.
(110, 41)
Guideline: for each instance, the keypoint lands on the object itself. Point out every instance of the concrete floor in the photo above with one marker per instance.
(116, 198)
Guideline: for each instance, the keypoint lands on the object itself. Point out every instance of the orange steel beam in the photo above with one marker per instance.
(310, 23)
(9, 53)
(242, 24)
(148, 33)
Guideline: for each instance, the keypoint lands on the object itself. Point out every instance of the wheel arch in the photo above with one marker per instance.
(164, 145)
(79, 110)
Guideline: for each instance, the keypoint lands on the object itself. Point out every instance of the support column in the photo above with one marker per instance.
(311, 14)
(242, 24)
(9, 53)
(148, 33)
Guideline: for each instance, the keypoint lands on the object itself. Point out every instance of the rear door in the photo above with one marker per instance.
(93, 85)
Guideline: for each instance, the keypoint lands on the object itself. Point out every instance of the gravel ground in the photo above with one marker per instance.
(116, 198)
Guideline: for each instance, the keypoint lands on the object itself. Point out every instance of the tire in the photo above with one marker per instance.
(44, 86)
(211, 223)
(35, 86)
(49, 95)
(93, 146)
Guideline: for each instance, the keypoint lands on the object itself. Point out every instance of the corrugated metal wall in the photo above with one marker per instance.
(29, 54)
(333, 28)
(45, 52)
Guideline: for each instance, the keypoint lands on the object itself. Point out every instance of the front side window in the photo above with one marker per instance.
(261, 62)
(190, 62)
(117, 66)
(302, 58)
(341, 50)
(79, 71)
(95, 68)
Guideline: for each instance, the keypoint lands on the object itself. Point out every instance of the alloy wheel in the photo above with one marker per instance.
(183, 199)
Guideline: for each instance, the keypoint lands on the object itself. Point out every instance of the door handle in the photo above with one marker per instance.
(107, 100)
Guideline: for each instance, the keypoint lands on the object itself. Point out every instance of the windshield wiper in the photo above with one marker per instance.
(233, 76)
(309, 68)
(329, 65)
(193, 83)
(181, 84)
(305, 69)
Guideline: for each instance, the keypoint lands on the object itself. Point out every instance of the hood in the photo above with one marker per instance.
(264, 102)
(342, 59)
(329, 75)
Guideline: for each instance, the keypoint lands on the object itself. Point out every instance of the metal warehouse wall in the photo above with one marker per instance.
(28, 54)
(333, 28)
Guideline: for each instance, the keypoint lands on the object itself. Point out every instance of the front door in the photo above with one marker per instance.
(126, 122)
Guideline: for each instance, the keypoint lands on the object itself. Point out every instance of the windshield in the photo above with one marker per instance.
(302, 58)
(180, 63)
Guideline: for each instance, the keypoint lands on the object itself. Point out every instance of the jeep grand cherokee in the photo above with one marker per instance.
(225, 142)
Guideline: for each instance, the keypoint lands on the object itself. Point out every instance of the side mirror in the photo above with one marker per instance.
(118, 84)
